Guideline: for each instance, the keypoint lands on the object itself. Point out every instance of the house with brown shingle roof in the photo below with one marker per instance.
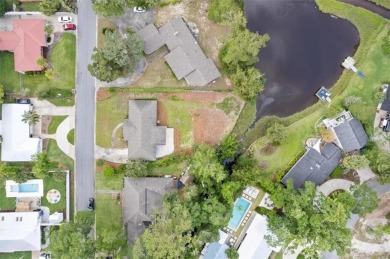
(26, 41)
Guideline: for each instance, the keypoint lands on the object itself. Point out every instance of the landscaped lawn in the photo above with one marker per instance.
(59, 185)
(108, 183)
(56, 154)
(108, 212)
(70, 136)
(62, 59)
(5, 203)
(30, 6)
(55, 121)
(16, 255)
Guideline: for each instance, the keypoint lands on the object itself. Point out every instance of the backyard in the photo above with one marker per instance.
(108, 211)
(197, 117)
(371, 61)
(62, 59)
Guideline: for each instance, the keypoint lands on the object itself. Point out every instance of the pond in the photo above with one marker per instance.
(304, 53)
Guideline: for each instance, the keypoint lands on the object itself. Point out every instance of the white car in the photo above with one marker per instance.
(63, 19)
(138, 9)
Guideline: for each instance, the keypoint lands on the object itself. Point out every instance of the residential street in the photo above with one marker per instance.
(85, 107)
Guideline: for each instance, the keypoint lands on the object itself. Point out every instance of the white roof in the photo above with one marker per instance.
(17, 144)
(254, 246)
(20, 231)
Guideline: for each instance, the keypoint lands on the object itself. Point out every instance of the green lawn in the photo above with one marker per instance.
(55, 121)
(370, 60)
(70, 136)
(5, 203)
(109, 113)
(384, 3)
(108, 183)
(173, 169)
(60, 185)
(57, 155)
(30, 6)
(108, 212)
(62, 59)
(16, 255)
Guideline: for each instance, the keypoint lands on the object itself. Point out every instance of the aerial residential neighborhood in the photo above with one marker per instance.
(210, 129)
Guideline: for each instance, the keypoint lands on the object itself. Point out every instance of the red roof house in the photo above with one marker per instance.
(26, 42)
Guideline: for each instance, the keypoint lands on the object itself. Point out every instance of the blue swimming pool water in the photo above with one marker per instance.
(28, 187)
(241, 207)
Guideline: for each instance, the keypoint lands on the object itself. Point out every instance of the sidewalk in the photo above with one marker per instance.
(114, 155)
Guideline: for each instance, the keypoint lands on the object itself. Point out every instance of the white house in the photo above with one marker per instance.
(17, 143)
(20, 231)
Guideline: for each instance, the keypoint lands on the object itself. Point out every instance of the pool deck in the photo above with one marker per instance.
(238, 235)
(17, 194)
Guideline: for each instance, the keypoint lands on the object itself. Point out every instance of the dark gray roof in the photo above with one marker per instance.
(186, 58)
(314, 166)
(351, 135)
(141, 196)
(151, 37)
(386, 103)
(141, 131)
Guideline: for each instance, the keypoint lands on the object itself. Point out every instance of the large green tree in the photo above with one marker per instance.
(14, 172)
(108, 8)
(49, 7)
(276, 133)
(104, 69)
(42, 165)
(137, 168)
(355, 162)
(248, 82)
(109, 241)
(308, 219)
(70, 241)
(222, 10)
(365, 198)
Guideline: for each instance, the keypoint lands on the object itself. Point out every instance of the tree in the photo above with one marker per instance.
(221, 10)
(206, 168)
(103, 69)
(3, 7)
(232, 253)
(1, 92)
(50, 74)
(241, 50)
(245, 170)
(30, 117)
(248, 82)
(379, 161)
(42, 165)
(355, 162)
(308, 218)
(108, 8)
(227, 148)
(14, 172)
(109, 241)
(49, 7)
(69, 242)
(137, 168)
(366, 199)
(276, 133)
(42, 62)
(48, 30)
(84, 221)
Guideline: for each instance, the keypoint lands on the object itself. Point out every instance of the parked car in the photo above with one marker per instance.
(91, 204)
(64, 19)
(138, 9)
(69, 27)
(23, 101)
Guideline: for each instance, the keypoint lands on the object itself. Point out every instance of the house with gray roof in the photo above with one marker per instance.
(314, 166)
(141, 197)
(144, 137)
(348, 131)
(186, 58)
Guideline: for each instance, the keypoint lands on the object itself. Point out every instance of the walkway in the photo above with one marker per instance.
(365, 174)
(377, 187)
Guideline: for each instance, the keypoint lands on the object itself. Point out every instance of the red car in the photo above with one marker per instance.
(69, 27)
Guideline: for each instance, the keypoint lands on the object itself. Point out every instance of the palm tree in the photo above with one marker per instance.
(31, 117)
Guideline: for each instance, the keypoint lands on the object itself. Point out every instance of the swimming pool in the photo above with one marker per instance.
(241, 207)
(31, 188)
(28, 187)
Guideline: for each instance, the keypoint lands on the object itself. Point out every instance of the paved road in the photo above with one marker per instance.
(85, 107)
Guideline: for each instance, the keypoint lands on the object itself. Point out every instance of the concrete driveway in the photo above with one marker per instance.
(6, 20)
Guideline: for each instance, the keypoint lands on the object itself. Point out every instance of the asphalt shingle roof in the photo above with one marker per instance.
(152, 38)
(141, 196)
(351, 135)
(314, 166)
(141, 131)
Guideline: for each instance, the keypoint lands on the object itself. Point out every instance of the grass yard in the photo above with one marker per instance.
(62, 58)
(108, 183)
(371, 61)
(57, 155)
(70, 136)
(108, 212)
(30, 6)
(55, 121)
(109, 113)
(60, 185)
(173, 169)
(16, 255)
(5, 203)
(384, 3)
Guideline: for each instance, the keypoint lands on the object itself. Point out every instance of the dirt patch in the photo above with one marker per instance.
(268, 150)
(99, 169)
(103, 94)
(45, 121)
(352, 176)
(209, 125)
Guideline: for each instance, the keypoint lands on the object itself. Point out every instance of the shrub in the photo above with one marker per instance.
(48, 29)
(351, 100)
(106, 29)
(337, 172)
(100, 162)
(109, 171)
(276, 133)
(264, 211)
(379, 97)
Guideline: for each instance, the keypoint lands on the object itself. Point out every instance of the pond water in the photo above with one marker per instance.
(304, 53)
